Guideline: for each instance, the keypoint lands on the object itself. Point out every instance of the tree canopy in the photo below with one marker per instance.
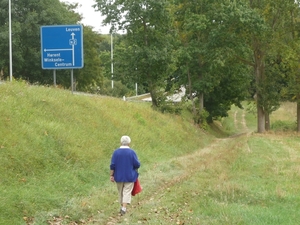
(148, 39)
(27, 18)
(222, 51)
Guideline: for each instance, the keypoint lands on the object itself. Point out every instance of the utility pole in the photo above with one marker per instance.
(10, 42)
(112, 58)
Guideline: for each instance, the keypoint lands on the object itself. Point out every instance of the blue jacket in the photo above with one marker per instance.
(125, 163)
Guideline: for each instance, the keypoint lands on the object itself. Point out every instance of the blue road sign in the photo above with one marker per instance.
(62, 47)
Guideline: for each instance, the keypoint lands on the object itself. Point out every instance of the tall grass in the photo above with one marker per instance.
(55, 149)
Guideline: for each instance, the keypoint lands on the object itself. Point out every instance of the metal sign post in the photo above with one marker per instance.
(72, 81)
(10, 42)
(54, 78)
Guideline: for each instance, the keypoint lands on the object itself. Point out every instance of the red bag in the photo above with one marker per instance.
(137, 188)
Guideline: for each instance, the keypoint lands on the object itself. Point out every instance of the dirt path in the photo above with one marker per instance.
(186, 167)
(191, 164)
(242, 122)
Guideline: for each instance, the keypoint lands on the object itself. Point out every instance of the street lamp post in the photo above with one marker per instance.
(10, 42)
(112, 58)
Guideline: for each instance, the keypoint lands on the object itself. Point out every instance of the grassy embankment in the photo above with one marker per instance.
(55, 150)
(56, 147)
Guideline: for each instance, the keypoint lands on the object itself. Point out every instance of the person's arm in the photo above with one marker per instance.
(136, 162)
(112, 168)
(112, 179)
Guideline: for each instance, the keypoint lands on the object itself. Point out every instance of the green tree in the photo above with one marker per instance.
(105, 48)
(291, 59)
(254, 31)
(207, 57)
(147, 24)
(27, 18)
(246, 30)
(233, 88)
(105, 55)
(192, 25)
(265, 44)
(90, 77)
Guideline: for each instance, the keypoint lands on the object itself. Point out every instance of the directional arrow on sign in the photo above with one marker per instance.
(56, 50)
(73, 43)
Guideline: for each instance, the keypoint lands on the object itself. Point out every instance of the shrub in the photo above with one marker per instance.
(280, 125)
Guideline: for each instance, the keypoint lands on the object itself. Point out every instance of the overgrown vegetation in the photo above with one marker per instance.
(56, 146)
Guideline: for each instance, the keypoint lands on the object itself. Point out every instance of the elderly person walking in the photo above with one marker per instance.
(123, 171)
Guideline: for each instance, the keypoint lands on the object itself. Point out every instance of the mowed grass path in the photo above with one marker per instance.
(245, 179)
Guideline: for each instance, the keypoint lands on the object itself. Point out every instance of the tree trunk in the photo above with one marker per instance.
(260, 120)
(152, 91)
(1, 74)
(267, 121)
(259, 74)
(298, 117)
(201, 102)
(154, 98)
(201, 95)
(190, 92)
